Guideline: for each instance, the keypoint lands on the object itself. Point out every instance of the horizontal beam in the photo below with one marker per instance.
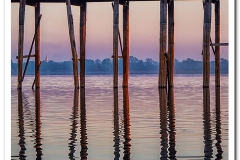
(118, 56)
(26, 56)
(219, 44)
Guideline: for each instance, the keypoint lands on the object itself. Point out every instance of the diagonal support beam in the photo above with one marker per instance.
(73, 43)
(119, 36)
(30, 51)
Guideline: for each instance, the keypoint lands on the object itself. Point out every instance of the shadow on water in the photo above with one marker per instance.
(23, 102)
(116, 137)
(83, 128)
(167, 124)
(218, 125)
(127, 139)
(208, 149)
(126, 127)
(21, 135)
(38, 139)
(171, 124)
(74, 120)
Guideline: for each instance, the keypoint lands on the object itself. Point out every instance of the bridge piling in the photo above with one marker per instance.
(206, 43)
(115, 42)
(125, 43)
(163, 44)
(22, 5)
(171, 42)
(217, 40)
(83, 12)
(37, 45)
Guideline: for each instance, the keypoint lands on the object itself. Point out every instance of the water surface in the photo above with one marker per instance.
(102, 123)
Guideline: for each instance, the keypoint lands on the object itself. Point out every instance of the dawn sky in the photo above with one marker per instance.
(144, 30)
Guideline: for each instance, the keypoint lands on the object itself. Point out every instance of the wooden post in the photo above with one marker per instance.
(206, 43)
(163, 44)
(20, 41)
(73, 44)
(83, 12)
(115, 42)
(125, 43)
(217, 40)
(171, 42)
(127, 139)
(37, 45)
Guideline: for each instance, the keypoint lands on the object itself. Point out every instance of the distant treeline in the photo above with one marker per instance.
(149, 66)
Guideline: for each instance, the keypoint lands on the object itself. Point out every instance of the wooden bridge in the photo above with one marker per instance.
(166, 53)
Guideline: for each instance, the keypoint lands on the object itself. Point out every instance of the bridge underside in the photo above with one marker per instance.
(79, 2)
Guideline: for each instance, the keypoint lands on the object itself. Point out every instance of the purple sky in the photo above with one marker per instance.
(144, 30)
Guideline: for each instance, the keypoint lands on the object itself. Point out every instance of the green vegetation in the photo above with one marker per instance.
(188, 66)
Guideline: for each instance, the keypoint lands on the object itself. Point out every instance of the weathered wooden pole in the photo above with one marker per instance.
(171, 42)
(37, 45)
(83, 13)
(163, 44)
(115, 42)
(217, 40)
(20, 41)
(125, 43)
(73, 43)
(206, 43)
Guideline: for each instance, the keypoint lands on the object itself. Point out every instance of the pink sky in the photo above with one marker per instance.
(144, 30)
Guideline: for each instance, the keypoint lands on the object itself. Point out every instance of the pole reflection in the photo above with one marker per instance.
(171, 125)
(208, 150)
(21, 134)
(74, 120)
(218, 125)
(116, 138)
(83, 141)
(126, 108)
(163, 123)
(38, 140)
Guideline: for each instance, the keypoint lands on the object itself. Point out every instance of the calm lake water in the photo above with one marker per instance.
(102, 123)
